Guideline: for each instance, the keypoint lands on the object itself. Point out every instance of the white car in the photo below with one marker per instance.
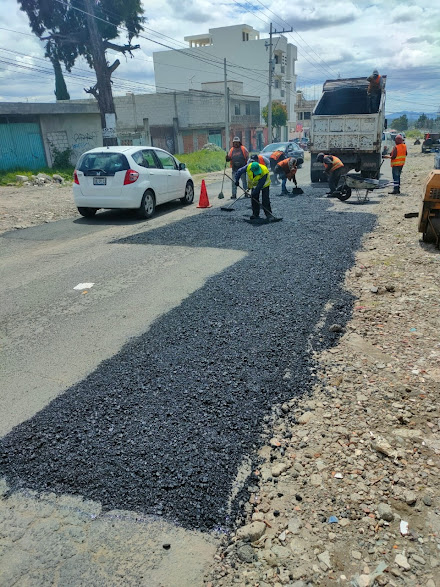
(130, 178)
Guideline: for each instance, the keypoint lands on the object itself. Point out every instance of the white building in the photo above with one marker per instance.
(247, 60)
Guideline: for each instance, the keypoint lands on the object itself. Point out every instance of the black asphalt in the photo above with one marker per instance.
(162, 427)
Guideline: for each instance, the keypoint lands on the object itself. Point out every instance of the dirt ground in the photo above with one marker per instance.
(348, 491)
(25, 206)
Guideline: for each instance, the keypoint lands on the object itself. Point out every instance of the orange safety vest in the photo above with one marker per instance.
(243, 150)
(400, 158)
(276, 155)
(261, 160)
(337, 163)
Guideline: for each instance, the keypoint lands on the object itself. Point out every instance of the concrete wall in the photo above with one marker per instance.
(78, 132)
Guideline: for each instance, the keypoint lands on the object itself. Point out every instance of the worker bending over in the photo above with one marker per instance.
(333, 168)
(286, 170)
(258, 180)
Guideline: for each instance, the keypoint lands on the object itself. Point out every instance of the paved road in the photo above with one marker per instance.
(217, 313)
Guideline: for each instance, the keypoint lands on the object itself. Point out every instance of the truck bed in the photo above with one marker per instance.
(333, 133)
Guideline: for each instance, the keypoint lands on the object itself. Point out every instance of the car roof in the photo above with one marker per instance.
(123, 149)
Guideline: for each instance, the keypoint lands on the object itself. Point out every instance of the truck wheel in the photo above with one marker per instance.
(429, 236)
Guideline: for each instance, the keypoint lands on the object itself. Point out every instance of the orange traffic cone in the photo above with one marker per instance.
(203, 200)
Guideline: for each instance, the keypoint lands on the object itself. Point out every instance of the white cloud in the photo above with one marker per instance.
(346, 38)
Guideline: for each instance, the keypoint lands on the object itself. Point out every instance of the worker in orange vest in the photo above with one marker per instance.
(238, 157)
(374, 91)
(333, 168)
(259, 159)
(398, 158)
(287, 169)
(275, 158)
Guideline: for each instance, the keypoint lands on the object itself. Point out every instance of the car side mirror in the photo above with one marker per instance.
(182, 166)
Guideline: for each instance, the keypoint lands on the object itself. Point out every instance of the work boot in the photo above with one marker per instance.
(233, 197)
(284, 193)
(394, 191)
(254, 217)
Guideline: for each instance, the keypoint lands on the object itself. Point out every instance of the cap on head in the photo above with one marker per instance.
(236, 140)
(292, 162)
(398, 140)
(255, 168)
(254, 157)
(320, 157)
(375, 72)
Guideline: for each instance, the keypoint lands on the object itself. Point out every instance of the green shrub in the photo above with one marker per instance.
(414, 134)
(203, 161)
(61, 159)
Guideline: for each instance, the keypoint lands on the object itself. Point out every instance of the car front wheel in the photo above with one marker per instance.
(148, 205)
(87, 212)
(188, 198)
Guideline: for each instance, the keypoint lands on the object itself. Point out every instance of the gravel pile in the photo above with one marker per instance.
(164, 426)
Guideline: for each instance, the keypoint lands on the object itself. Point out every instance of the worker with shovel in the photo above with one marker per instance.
(258, 180)
(238, 156)
(286, 170)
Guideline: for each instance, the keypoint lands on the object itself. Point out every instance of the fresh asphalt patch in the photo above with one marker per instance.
(163, 426)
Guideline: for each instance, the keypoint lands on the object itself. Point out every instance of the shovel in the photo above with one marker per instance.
(296, 191)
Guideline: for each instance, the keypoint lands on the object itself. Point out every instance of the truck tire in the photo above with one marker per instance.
(429, 236)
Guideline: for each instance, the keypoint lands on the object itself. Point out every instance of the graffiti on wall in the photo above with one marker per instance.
(82, 142)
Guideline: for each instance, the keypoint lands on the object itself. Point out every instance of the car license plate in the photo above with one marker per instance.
(99, 181)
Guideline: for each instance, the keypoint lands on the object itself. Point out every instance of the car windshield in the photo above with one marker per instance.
(106, 163)
(274, 147)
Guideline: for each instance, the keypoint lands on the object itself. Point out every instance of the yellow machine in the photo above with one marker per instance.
(429, 216)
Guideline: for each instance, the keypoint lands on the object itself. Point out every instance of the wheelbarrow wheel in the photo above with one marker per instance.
(343, 193)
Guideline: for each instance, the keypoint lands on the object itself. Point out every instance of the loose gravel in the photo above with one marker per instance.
(163, 427)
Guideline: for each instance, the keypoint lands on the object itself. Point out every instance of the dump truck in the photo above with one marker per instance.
(341, 125)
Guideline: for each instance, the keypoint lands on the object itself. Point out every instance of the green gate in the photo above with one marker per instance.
(215, 137)
(21, 146)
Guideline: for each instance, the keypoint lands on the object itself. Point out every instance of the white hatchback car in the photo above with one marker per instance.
(138, 178)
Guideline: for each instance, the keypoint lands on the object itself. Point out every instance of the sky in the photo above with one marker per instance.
(342, 38)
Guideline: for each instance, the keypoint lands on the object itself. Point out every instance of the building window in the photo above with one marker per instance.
(237, 109)
(248, 109)
(245, 36)
(277, 83)
(307, 115)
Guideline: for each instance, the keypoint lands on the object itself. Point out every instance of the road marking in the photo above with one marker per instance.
(81, 286)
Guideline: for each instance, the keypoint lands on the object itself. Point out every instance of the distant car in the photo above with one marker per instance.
(290, 148)
(138, 178)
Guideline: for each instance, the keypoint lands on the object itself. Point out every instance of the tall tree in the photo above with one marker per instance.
(279, 115)
(401, 123)
(73, 28)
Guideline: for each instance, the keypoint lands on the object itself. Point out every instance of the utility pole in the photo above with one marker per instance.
(271, 68)
(269, 106)
(226, 109)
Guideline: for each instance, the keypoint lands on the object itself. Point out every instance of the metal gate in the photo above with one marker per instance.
(21, 146)
(215, 137)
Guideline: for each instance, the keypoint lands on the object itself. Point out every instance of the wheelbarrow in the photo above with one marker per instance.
(361, 186)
